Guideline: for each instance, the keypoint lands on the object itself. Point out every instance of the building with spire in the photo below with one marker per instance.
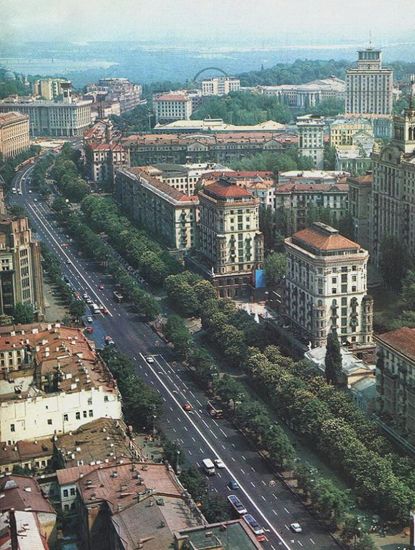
(393, 200)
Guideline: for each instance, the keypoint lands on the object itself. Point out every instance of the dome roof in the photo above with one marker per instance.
(9, 76)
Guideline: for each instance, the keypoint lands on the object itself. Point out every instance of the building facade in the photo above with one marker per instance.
(14, 134)
(165, 212)
(342, 130)
(369, 86)
(230, 243)
(216, 125)
(47, 88)
(21, 275)
(172, 106)
(311, 138)
(223, 149)
(220, 85)
(395, 377)
(360, 208)
(102, 159)
(393, 194)
(298, 199)
(353, 159)
(326, 287)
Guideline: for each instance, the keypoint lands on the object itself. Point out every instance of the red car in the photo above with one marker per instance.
(89, 329)
(105, 311)
(101, 287)
(187, 407)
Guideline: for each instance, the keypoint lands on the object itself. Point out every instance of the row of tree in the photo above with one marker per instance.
(275, 162)
(39, 174)
(8, 166)
(66, 174)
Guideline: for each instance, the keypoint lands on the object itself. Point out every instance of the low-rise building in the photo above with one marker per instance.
(395, 377)
(53, 383)
(216, 125)
(360, 208)
(353, 159)
(220, 85)
(14, 134)
(34, 455)
(326, 287)
(297, 200)
(165, 212)
(150, 149)
(102, 159)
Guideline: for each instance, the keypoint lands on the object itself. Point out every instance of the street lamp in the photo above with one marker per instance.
(177, 462)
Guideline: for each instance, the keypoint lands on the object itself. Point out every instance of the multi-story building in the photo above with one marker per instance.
(100, 132)
(172, 106)
(369, 86)
(326, 286)
(21, 279)
(312, 176)
(118, 90)
(102, 159)
(353, 159)
(230, 243)
(311, 138)
(393, 191)
(360, 207)
(58, 383)
(223, 149)
(14, 134)
(303, 96)
(69, 117)
(167, 213)
(343, 130)
(216, 125)
(297, 198)
(220, 85)
(47, 88)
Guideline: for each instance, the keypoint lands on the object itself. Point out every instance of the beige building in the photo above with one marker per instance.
(102, 159)
(165, 212)
(326, 287)
(58, 383)
(14, 134)
(395, 377)
(311, 138)
(369, 86)
(297, 198)
(220, 85)
(353, 159)
(360, 208)
(172, 106)
(343, 130)
(230, 244)
(47, 88)
(21, 275)
(393, 202)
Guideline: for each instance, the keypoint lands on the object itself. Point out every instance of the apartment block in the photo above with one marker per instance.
(360, 208)
(172, 106)
(14, 134)
(343, 130)
(220, 85)
(47, 88)
(311, 138)
(326, 287)
(369, 86)
(102, 159)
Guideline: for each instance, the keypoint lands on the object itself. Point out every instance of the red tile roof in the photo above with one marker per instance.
(163, 187)
(223, 189)
(172, 97)
(401, 339)
(367, 178)
(317, 236)
(22, 492)
(311, 187)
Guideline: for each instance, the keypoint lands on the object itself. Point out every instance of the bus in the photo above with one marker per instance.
(95, 309)
(118, 297)
(209, 467)
(254, 525)
(214, 410)
(237, 505)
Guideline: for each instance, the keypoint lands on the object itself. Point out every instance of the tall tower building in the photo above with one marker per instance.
(393, 202)
(369, 86)
(311, 138)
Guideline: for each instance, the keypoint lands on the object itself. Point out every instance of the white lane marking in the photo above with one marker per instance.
(190, 452)
(263, 481)
(299, 542)
(223, 432)
(242, 471)
(313, 542)
(223, 447)
(243, 457)
(194, 439)
(276, 513)
(213, 450)
(263, 498)
(275, 496)
(214, 421)
(218, 474)
(214, 435)
(252, 468)
(199, 402)
(286, 510)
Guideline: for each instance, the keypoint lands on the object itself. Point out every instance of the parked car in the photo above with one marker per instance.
(296, 527)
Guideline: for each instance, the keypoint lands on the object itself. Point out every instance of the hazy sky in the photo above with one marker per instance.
(262, 21)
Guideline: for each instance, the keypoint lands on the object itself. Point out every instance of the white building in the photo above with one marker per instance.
(326, 286)
(369, 86)
(311, 138)
(172, 106)
(54, 384)
(220, 85)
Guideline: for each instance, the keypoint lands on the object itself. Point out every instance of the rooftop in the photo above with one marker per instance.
(230, 534)
(11, 117)
(22, 493)
(224, 189)
(322, 237)
(22, 451)
(178, 138)
(312, 188)
(26, 528)
(402, 340)
(217, 125)
(172, 97)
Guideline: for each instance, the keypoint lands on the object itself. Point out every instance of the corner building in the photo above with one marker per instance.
(326, 285)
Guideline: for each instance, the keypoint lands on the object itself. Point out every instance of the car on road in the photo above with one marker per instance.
(296, 527)
(233, 485)
(30, 191)
(89, 329)
(149, 359)
(219, 463)
(34, 200)
(101, 287)
(77, 296)
(105, 311)
(85, 295)
(20, 193)
(89, 319)
(237, 505)
(89, 301)
(187, 406)
(68, 262)
(109, 341)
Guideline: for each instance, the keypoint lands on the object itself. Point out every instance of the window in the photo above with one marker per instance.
(12, 428)
(49, 421)
(78, 415)
(73, 491)
(344, 289)
(344, 278)
(334, 290)
(91, 413)
(65, 418)
(354, 288)
(65, 493)
(334, 280)
(344, 301)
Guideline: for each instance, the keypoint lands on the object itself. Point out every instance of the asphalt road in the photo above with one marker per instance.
(199, 435)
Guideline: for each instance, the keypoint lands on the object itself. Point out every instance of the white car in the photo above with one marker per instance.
(30, 191)
(89, 319)
(296, 527)
(20, 193)
(34, 200)
(219, 463)
(85, 296)
(150, 359)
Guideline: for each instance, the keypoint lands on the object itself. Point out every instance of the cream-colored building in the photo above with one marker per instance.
(230, 243)
(53, 383)
(360, 208)
(326, 286)
(47, 88)
(343, 130)
(395, 377)
(220, 85)
(14, 134)
(311, 138)
(369, 86)
(393, 195)
(102, 159)
(172, 106)
(165, 212)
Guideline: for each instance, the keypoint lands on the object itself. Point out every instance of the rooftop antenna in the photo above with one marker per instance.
(411, 93)
(370, 39)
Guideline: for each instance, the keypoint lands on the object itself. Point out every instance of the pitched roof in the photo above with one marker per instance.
(312, 187)
(402, 339)
(323, 237)
(163, 187)
(172, 97)
(22, 493)
(222, 189)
